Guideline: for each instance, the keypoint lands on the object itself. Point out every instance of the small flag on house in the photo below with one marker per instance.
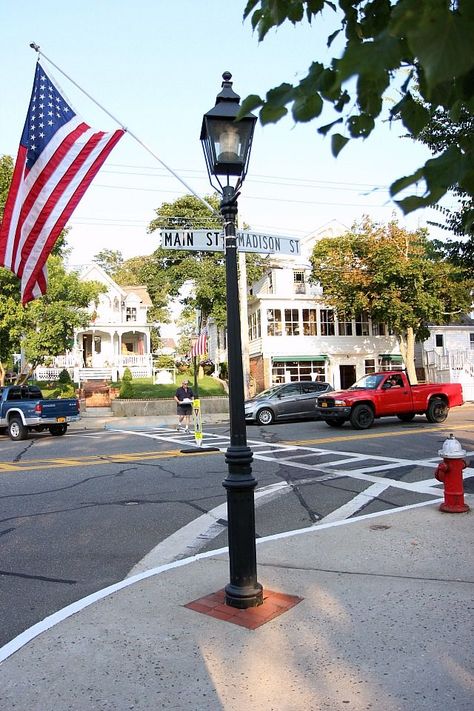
(199, 346)
(58, 157)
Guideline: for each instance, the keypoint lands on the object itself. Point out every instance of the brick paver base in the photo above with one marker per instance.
(274, 604)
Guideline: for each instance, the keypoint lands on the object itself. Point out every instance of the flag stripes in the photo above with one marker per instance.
(58, 157)
(199, 346)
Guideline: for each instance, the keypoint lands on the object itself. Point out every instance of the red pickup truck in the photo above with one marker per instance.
(384, 395)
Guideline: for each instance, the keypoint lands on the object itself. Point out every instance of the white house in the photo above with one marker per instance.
(293, 335)
(117, 336)
(448, 354)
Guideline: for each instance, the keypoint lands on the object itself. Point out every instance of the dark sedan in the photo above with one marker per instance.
(284, 402)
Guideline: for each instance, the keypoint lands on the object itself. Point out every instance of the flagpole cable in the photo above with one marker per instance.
(37, 49)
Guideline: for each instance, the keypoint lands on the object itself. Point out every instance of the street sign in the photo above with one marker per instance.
(213, 241)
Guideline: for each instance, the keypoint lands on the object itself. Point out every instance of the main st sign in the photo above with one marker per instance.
(213, 241)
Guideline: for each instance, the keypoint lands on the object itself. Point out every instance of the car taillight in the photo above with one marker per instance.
(39, 408)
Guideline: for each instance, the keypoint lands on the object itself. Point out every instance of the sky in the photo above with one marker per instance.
(157, 67)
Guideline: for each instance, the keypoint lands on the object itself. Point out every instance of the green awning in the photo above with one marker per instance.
(290, 358)
(393, 357)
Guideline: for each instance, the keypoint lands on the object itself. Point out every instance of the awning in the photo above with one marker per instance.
(392, 357)
(290, 358)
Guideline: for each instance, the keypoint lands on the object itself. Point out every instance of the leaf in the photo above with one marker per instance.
(413, 114)
(360, 126)
(306, 108)
(280, 95)
(325, 129)
(271, 113)
(337, 143)
(442, 40)
(404, 182)
(445, 170)
(249, 7)
(250, 103)
(332, 37)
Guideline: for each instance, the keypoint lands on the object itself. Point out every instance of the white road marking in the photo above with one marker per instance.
(40, 627)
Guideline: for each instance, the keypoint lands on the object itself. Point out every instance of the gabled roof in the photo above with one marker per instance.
(141, 292)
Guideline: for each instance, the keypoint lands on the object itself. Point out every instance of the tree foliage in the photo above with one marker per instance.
(205, 269)
(111, 260)
(440, 133)
(411, 46)
(43, 327)
(392, 274)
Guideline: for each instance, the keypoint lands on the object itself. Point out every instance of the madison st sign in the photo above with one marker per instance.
(213, 241)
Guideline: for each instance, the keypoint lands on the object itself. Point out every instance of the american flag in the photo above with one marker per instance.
(58, 157)
(200, 345)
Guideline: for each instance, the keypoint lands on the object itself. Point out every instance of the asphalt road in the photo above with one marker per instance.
(79, 512)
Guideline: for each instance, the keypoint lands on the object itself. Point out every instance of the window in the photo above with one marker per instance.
(131, 314)
(310, 326)
(290, 391)
(327, 322)
(299, 282)
(369, 364)
(255, 327)
(362, 324)
(97, 344)
(378, 329)
(386, 363)
(274, 322)
(471, 341)
(345, 325)
(439, 340)
(291, 370)
(292, 325)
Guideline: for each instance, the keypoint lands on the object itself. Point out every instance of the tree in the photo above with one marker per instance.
(43, 327)
(390, 273)
(205, 269)
(48, 323)
(111, 260)
(409, 46)
(441, 132)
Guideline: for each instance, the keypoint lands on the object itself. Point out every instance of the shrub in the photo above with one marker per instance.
(64, 377)
(164, 361)
(223, 371)
(126, 390)
(127, 376)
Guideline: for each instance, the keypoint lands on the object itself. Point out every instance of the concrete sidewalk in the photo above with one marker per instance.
(385, 624)
(94, 422)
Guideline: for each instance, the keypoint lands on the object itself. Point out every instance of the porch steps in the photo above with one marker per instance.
(95, 374)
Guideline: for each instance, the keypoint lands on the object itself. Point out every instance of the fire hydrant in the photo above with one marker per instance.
(449, 471)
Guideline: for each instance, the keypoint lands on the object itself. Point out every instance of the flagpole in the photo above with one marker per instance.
(37, 49)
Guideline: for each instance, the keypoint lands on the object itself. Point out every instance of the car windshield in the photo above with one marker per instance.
(267, 393)
(368, 382)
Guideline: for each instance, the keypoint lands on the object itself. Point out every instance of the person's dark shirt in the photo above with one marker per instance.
(182, 393)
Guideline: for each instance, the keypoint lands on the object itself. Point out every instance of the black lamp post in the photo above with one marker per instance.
(226, 143)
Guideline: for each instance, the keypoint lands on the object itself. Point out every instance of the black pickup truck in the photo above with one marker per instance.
(23, 409)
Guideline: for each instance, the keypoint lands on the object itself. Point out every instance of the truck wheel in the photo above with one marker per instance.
(16, 429)
(58, 430)
(437, 410)
(335, 423)
(362, 417)
(406, 417)
(265, 416)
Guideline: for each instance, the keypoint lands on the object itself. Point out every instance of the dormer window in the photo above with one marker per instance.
(131, 314)
(299, 282)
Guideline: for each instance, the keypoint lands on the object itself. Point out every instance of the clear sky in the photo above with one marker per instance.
(157, 66)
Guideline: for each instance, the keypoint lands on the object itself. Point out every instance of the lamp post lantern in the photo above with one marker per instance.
(226, 144)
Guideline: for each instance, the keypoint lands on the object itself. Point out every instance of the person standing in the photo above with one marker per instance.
(184, 397)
